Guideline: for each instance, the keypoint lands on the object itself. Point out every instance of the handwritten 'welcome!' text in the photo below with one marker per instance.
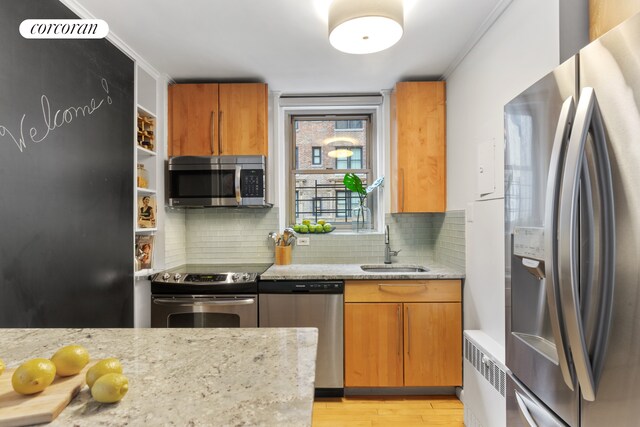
(55, 120)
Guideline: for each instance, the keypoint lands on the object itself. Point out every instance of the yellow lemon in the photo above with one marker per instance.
(70, 360)
(1, 366)
(103, 367)
(110, 388)
(33, 376)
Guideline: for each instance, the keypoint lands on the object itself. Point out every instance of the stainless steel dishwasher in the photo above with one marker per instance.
(317, 304)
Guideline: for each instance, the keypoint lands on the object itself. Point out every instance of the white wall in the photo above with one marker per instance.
(522, 46)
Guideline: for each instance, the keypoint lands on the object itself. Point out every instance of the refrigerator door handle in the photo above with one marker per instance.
(588, 120)
(524, 411)
(560, 142)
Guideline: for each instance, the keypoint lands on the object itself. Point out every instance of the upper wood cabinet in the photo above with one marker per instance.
(606, 14)
(218, 119)
(418, 147)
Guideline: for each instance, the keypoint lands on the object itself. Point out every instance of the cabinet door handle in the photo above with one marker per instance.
(402, 188)
(212, 132)
(408, 331)
(400, 329)
(404, 285)
(220, 132)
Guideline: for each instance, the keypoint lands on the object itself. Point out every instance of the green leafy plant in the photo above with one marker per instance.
(353, 183)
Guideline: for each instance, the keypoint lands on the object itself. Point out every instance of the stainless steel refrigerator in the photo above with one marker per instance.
(572, 234)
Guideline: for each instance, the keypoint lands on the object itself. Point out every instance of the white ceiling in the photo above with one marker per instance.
(285, 43)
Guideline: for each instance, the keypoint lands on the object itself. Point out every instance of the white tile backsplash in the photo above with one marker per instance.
(203, 236)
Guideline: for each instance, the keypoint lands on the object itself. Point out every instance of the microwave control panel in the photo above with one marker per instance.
(252, 183)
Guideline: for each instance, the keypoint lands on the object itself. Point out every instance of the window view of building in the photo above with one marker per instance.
(325, 150)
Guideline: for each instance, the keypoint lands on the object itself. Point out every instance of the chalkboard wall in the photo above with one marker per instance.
(66, 177)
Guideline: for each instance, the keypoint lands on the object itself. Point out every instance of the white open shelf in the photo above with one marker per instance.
(145, 190)
(144, 272)
(146, 230)
(144, 152)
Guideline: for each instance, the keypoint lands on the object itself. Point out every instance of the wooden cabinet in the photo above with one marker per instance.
(403, 333)
(218, 119)
(374, 350)
(418, 147)
(606, 14)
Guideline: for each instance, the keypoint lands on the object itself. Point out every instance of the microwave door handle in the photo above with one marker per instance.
(237, 184)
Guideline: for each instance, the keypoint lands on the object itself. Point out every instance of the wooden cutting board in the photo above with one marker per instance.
(44, 407)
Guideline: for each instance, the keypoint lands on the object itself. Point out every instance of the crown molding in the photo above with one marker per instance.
(82, 12)
(493, 16)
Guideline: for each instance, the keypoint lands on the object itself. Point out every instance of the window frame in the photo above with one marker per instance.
(348, 129)
(313, 156)
(368, 119)
(348, 159)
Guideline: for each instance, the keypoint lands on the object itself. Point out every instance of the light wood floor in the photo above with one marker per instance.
(396, 411)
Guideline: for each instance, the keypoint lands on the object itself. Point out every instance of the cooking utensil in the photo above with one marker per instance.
(273, 235)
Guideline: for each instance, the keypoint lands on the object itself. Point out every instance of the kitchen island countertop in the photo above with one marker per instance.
(354, 272)
(221, 377)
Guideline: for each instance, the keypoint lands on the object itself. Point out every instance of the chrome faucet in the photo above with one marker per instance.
(388, 253)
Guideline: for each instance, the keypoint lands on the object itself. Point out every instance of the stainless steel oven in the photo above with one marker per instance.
(204, 311)
(206, 296)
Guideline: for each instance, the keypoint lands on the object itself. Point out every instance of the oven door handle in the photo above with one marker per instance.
(185, 302)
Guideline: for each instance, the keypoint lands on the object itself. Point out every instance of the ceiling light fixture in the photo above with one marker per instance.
(365, 26)
(340, 153)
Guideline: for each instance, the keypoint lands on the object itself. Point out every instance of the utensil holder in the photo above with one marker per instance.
(283, 255)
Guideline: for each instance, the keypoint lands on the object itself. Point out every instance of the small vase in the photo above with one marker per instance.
(361, 219)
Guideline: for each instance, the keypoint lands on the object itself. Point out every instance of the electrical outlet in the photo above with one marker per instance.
(302, 241)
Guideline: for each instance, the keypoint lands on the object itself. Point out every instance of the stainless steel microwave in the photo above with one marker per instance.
(217, 181)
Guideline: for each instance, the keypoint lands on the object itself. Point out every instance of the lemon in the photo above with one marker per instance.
(33, 376)
(110, 388)
(103, 367)
(70, 360)
(1, 366)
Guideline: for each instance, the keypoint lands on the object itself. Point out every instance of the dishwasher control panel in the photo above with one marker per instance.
(301, 286)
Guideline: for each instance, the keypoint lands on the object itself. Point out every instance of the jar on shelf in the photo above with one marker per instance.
(142, 177)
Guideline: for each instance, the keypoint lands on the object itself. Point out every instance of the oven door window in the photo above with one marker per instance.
(213, 311)
(202, 183)
(203, 320)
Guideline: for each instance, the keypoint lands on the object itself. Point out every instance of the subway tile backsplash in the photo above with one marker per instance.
(203, 236)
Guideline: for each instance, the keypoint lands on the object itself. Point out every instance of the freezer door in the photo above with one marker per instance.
(524, 409)
(533, 352)
(611, 66)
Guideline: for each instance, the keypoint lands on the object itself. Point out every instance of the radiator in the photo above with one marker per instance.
(485, 381)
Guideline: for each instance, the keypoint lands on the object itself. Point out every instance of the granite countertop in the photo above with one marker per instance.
(221, 377)
(354, 272)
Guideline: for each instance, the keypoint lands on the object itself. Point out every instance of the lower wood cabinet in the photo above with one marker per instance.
(373, 345)
(403, 333)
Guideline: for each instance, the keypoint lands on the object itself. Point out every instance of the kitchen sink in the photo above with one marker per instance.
(391, 268)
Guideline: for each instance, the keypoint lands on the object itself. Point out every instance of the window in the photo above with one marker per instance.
(316, 155)
(354, 161)
(317, 191)
(345, 202)
(349, 125)
(317, 206)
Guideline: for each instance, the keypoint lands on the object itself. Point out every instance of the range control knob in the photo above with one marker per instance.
(177, 276)
(166, 276)
(235, 277)
(246, 276)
